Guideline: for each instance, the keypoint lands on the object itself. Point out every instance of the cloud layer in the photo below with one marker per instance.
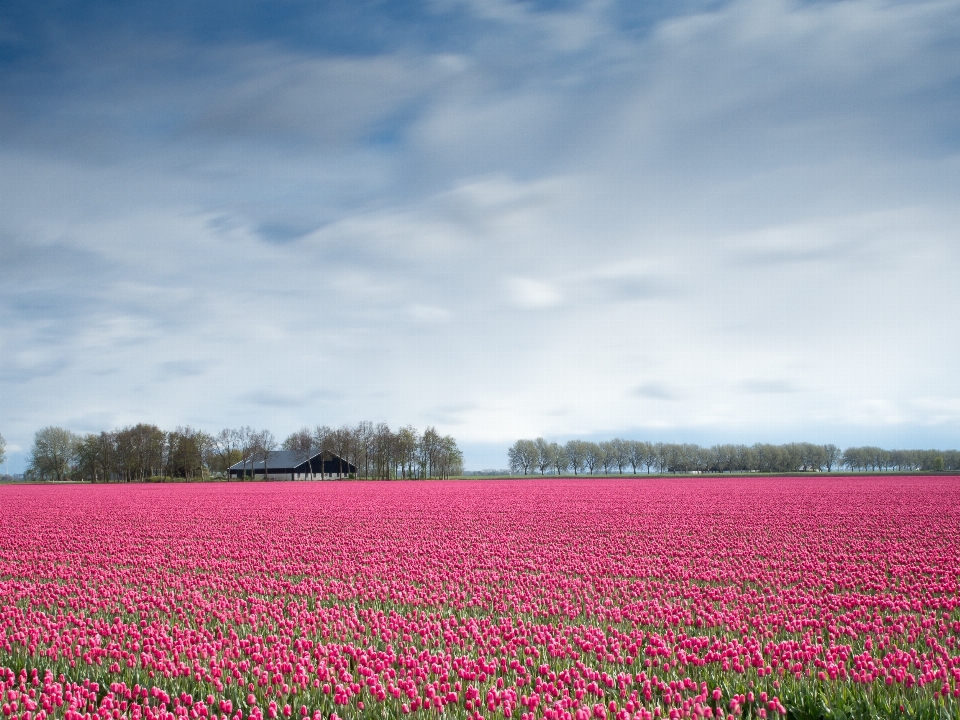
(731, 221)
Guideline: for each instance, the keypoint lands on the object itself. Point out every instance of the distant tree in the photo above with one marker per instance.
(246, 438)
(559, 456)
(381, 448)
(449, 459)
(620, 452)
(720, 458)
(742, 458)
(54, 448)
(225, 450)
(851, 458)
(323, 443)
(85, 458)
(3, 450)
(149, 447)
(264, 445)
(342, 443)
(702, 459)
(576, 451)
(406, 450)
(674, 457)
(523, 456)
(301, 441)
(635, 454)
(612, 455)
(951, 459)
(814, 457)
(544, 455)
(594, 456)
(659, 456)
(360, 447)
(186, 449)
(831, 456)
(96, 457)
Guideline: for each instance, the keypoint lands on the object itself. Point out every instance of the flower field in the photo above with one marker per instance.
(556, 599)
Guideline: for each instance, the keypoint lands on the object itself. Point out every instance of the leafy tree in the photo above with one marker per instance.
(381, 448)
(140, 452)
(523, 456)
(544, 455)
(831, 456)
(54, 448)
(406, 450)
(559, 457)
(449, 459)
(636, 454)
(186, 450)
(576, 452)
(594, 456)
(96, 457)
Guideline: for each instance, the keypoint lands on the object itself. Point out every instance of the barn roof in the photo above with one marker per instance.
(279, 459)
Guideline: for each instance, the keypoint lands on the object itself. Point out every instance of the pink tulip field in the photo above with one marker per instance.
(587, 599)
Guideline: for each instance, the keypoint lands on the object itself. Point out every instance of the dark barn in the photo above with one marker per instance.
(294, 465)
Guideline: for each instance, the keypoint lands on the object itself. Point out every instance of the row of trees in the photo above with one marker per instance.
(618, 456)
(143, 451)
(376, 450)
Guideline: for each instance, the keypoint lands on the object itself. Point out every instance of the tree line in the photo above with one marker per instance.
(142, 452)
(617, 455)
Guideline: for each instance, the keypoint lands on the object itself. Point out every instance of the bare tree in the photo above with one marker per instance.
(3, 450)
(323, 442)
(371, 445)
(246, 444)
(341, 441)
(264, 445)
(225, 448)
(301, 441)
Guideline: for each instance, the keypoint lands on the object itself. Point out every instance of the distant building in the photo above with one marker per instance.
(295, 465)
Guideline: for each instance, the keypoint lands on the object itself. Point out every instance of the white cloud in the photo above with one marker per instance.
(532, 294)
(429, 314)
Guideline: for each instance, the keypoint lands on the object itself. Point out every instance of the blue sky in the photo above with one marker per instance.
(690, 221)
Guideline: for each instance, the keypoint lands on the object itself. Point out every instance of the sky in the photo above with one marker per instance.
(688, 221)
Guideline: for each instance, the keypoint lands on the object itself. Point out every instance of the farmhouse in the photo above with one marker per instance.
(295, 465)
